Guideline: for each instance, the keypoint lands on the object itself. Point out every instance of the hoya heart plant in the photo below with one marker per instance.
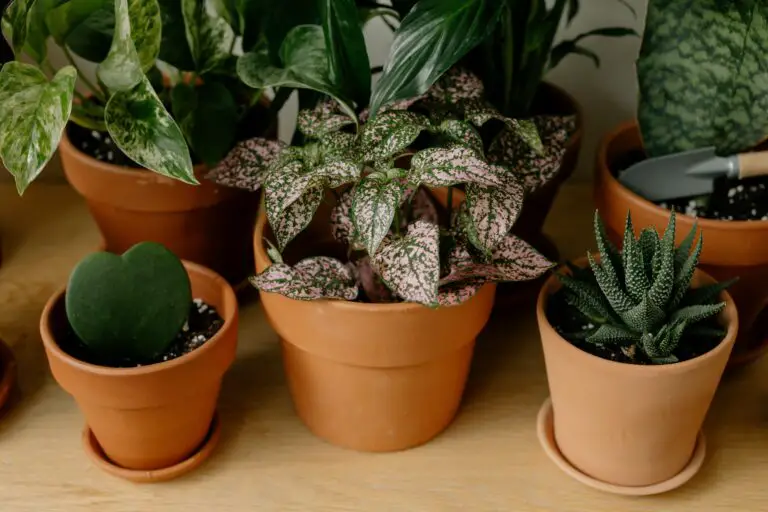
(128, 307)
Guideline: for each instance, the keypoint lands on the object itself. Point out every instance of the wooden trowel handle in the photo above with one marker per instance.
(753, 164)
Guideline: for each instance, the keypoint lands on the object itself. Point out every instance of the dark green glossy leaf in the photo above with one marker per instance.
(565, 48)
(349, 67)
(33, 114)
(209, 36)
(282, 17)
(174, 48)
(703, 76)
(431, 39)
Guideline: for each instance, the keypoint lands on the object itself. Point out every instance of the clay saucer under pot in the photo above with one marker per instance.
(732, 249)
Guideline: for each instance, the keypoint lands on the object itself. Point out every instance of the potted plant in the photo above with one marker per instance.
(163, 57)
(376, 294)
(635, 342)
(701, 108)
(142, 341)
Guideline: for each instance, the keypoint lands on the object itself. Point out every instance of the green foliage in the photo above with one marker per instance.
(702, 76)
(129, 307)
(641, 298)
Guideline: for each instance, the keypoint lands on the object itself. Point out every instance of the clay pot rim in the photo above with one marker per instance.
(636, 200)
(230, 309)
(730, 313)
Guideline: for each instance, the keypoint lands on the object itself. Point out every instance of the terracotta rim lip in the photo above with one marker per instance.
(230, 307)
(8, 370)
(344, 305)
(634, 199)
(94, 451)
(544, 424)
(552, 285)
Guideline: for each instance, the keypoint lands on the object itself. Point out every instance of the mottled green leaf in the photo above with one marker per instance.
(703, 76)
(33, 114)
(17, 15)
(325, 118)
(463, 133)
(121, 70)
(209, 36)
(146, 30)
(310, 279)
(445, 167)
(390, 133)
(493, 211)
(37, 29)
(246, 165)
(297, 216)
(374, 202)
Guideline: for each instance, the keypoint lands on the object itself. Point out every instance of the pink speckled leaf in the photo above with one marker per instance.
(423, 207)
(325, 118)
(246, 165)
(297, 216)
(340, 145)
(536, 168)
(462, 133)
(513, 260)
(310, 279)
(390, 133)
(480, 112)
(444, 167)
(456, 85)
(493, 211)
(374, 202)
(454, 294)
(342, 227)
(410, 265)
(370, 282)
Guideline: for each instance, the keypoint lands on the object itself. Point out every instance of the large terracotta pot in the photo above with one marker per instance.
(372, 377)
(208, 224)
(149, 417)
(731, 248)
(626, 424)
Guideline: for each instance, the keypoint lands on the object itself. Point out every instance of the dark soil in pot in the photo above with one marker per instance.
(203, 323)
(732, 199)
(567, 320)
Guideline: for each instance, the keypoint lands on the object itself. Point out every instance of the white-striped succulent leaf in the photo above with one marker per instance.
(537, 169)
(444, 167)
(33, 114)
(454, 294)
(310, 279)
(325, 118)
(410, 265)
(374, 202)
(297, 216)
(246, 166)
(479, 112)
(390, 133)
(493, 211)
(462, 133)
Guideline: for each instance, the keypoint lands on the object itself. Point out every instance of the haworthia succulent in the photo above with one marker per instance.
(33, 112)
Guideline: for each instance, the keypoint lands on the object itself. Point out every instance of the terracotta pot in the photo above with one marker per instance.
(149, 417)
(207, 224)
(731, 248)
(372, 377)
(625, 424)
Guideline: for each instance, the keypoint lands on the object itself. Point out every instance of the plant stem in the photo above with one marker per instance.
(450, 206)
(94, 90)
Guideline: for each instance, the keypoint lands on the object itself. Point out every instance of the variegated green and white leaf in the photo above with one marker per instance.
(324, 119)
(210, 37)
(141, 127)
(537, 168)
(146, 30)
(342, 226)
(445, 167)
(462, 133)
(374, 202)
(121, 70)
(310, 279)
(390, 133)
(410, 265)
(297, 216)
(340, 145)
(246, 166)
(33, 114)
(16, 17)
(493, 211)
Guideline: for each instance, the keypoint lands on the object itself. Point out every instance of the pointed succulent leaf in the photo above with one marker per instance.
(610, 259)
(141, 127)
(693, 314)
(645, 316)
(33, 114)
(591, 297)
(669, 343)
(310, 279)
(649, 246)
(454, 294)
(374, 202)
(246, 166)
(706, 294)
(445, 167)
(322, 120)
(664, 277)
(613, 335)
(493, 211)
(637, 282)
(410, 265)
(684, 249)
(209, 36)
(684, 274)
(537, 166)
(390, 133)
(462, 133)
(611, 287)
(648, 342)
(297, 216)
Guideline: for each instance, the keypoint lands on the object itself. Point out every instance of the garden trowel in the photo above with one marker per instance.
(691, 173)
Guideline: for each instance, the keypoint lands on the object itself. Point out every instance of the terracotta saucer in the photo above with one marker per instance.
(96, 454)
(546, 433)
(7, 372)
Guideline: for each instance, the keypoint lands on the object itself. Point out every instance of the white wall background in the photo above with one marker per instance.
(607, 95)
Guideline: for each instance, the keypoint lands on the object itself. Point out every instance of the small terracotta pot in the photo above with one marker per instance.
(626, 424)
(206, 224)
(150, 417)
(731, 248)
(372, 377)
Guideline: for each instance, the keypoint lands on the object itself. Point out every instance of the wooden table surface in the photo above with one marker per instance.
(488, 460)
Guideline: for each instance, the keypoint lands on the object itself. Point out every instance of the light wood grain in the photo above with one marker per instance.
(488, 460)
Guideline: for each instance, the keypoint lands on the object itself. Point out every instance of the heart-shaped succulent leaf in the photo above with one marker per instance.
(310, 279)
(374, 202)
(410, 265)
(390, 133)
(130, 306)
(246, 165)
